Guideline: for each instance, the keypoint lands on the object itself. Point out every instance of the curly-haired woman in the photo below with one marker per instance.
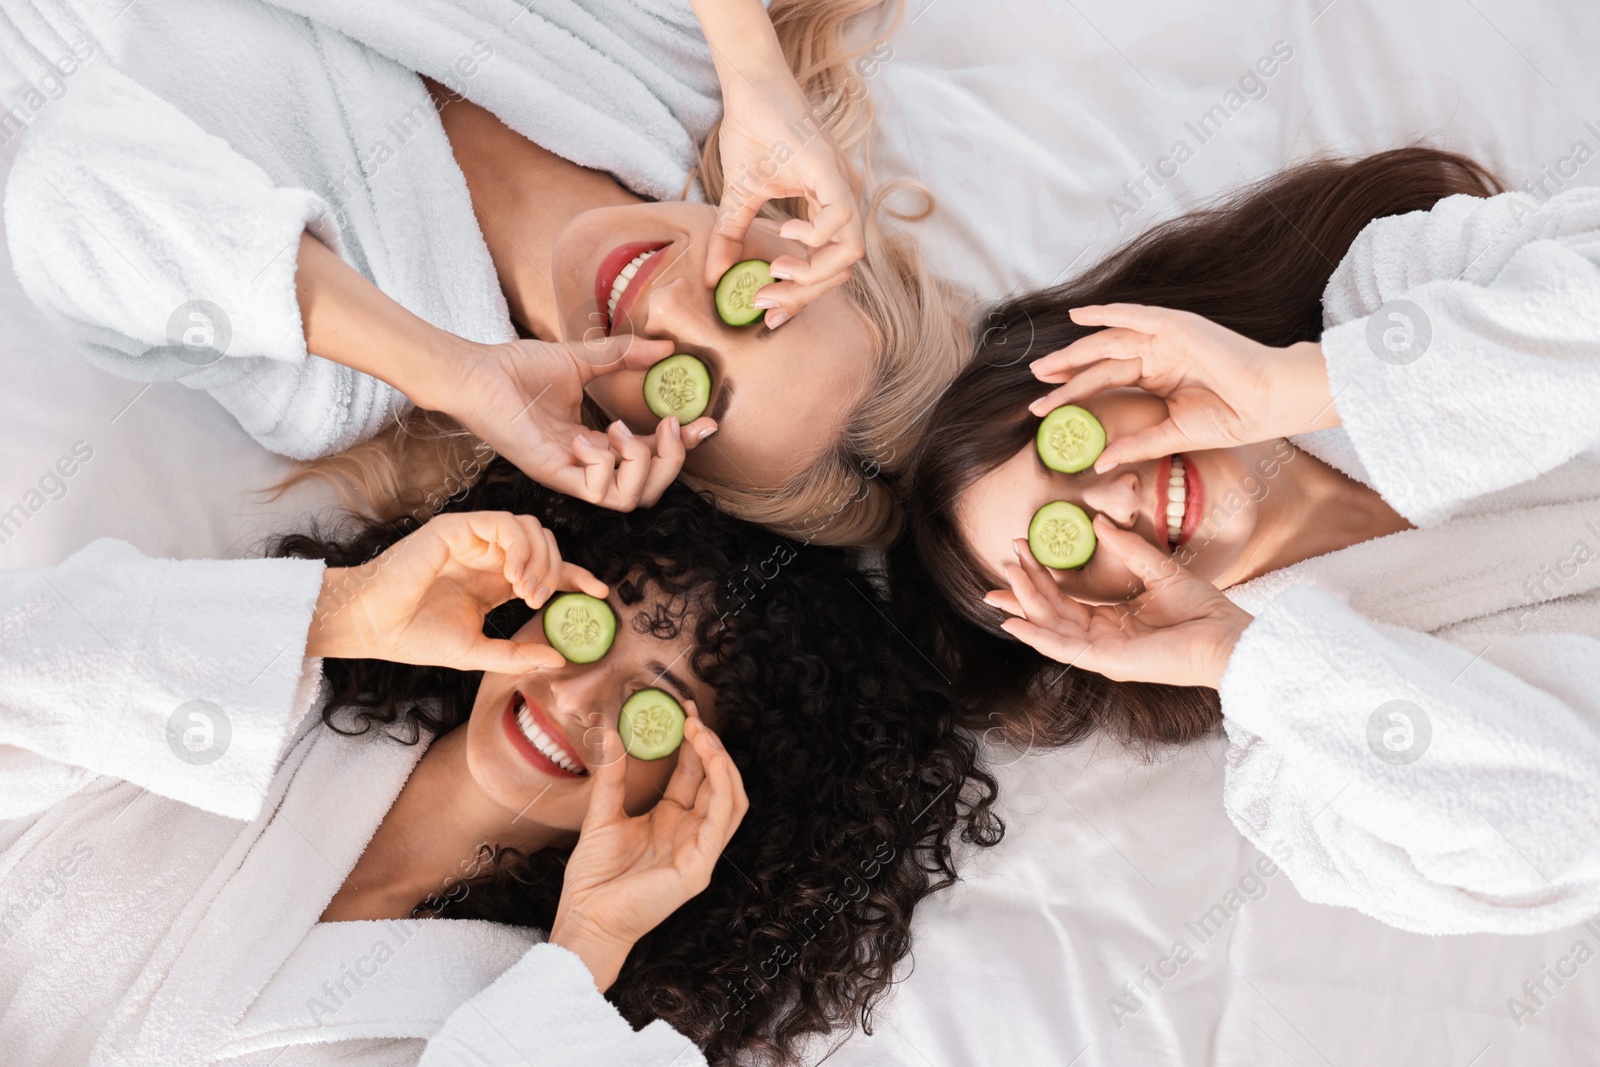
(212, 871)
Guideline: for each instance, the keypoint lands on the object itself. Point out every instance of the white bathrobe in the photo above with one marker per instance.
(154, 207)
(1475, 805)
(174, 817)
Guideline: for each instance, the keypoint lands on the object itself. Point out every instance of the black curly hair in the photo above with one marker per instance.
(859, 778)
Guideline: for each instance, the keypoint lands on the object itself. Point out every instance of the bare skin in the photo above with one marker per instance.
(778, 395)
(1268, 505)
(645, 834)
(1167, 383)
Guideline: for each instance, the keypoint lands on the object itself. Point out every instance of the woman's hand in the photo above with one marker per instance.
(1222, 389)
(1180, 630)
(628, 873)
(525, 399)
(773, 146)
(424, 599)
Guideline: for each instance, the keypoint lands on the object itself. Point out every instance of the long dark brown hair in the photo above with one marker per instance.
(861, 782)
(1256, 262)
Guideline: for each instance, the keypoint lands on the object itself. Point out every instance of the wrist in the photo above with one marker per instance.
(1309, 398)
(1223, 654)
(441, 370)
(603, 954)
(330, 635)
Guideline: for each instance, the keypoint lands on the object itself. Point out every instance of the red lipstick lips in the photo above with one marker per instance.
(1194, 499)
(612, 266)
(527, 748)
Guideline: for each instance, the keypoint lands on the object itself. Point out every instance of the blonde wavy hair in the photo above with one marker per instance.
(851, 494)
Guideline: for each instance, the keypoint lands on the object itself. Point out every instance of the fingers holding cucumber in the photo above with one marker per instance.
(1222, 389)
(1179, 630)
(622, 470)
(651, 724)
(627, 873)
(753, 288)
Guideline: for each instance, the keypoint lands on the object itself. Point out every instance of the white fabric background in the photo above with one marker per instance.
(1024, 118)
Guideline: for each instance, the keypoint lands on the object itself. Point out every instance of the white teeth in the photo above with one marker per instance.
(620, 286)
(1177, 501)
(543, 741)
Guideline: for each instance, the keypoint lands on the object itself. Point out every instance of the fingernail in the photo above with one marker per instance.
(540, 593)
(790, 229)
(703, 433)
(623, 428)
(777, 318)
(783, 274)
(765, 302)
(675, 427)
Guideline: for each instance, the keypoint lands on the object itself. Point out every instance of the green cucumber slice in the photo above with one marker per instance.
(736, 291)
(1061, 536)
(1070, 439)
(651, 724)
(580, 627)
(679, 385)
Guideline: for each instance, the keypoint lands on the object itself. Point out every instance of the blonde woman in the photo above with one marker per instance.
(284, 220)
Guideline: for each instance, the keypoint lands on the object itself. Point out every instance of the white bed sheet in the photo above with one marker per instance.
(1025, 118)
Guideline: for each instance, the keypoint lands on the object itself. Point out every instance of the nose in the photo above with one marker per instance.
(575, 699)
(1114, 494)
(676, 307)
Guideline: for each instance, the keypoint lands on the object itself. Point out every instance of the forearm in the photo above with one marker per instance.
(349, 320)
(743, 43)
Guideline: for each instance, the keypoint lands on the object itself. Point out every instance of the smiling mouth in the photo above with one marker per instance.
(539, 742)
(625, 268)
(1182, 496)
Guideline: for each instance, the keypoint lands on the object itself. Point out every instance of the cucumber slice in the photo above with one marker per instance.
(1070, 439)
(679, 385)
(580, 627)
(1061, 536)
(736, 291)
(651, 724)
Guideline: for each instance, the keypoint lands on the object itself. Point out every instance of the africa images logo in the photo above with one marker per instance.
(198, 732)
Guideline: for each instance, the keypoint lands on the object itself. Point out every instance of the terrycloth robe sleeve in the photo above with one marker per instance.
(1432, 788)
(169, 256)
(1438, 790)
(186, 677)
(546, 1010)
(1463, 346)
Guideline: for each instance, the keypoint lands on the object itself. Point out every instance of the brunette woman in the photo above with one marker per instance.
(1344, 510)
